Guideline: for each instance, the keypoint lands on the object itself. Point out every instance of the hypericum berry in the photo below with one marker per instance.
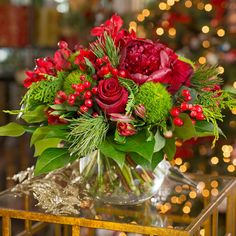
(95, 114)
(88, 102)
(200, 116)
(82, 77)
(175, 111)
(178, 121)
(99, 61)
(62, 44)
(198, 108)
(185, 92)
(80, 88)
(87, 84)
(105, 59)
(190, 107)
(74, 86)
(193, 113)
(88, 94)
(114, 71)
(62, 95)
(188, 98)
(83, 109)
(104, 70)
(77, 93)
(184, 106)
(94, 90)
(71, 99)
(57, 101)
(122, 73)
(95, 77)
(193, 121)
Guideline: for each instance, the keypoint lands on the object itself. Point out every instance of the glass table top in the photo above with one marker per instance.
(175, 206)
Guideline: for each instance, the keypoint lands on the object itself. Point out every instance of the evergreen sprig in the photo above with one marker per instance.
(205, 77)
(42, 92)
(87, 133)
(213, 103)
(106, 46)
(132, 88)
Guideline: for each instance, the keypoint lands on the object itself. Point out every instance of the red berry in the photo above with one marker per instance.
(190, 107)
(105, 59)
(114, 71)
(198, 108)
(188, 98)
(95, 114)
(99, 61)
(175, 111)
(185, 92)
(71, 99)
(95, 77)
(184, 106)
(193, 113)
(88, 102)
(82, 77)
(80, 88)
(200, 116)
(57, 101)
(83, 109)
(77, 93)
(122, 73)
(87, 84)
(88, 94)
(94, 90)
(104, 70)
(74, 86)
(193, 121)
(62, 95)
(178, 121)
(62, 44)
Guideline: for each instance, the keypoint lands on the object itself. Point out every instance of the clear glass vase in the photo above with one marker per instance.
(107, 182)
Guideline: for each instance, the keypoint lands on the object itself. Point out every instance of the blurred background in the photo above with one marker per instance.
(203, 30)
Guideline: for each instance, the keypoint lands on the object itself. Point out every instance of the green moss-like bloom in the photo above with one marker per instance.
(157, 101)
(74, 78)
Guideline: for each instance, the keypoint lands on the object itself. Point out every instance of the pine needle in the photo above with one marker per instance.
(87, 133)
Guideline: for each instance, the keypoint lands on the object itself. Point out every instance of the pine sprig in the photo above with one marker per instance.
(132, 89)
(106, 46)
(205, 77)
(87, 133)
(42, 92)
(213, 103)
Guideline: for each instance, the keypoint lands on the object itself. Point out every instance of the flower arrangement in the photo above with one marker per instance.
(120, 95)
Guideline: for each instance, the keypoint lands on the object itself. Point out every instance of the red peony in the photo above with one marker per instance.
(145, 61)
(111, 96)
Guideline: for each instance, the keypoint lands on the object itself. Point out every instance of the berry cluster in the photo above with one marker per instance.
(83, 95)
(105, 69)
(194, 111)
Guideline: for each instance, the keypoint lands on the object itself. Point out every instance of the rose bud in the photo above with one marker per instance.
(126, 129)
(121, 118)
(140, 111)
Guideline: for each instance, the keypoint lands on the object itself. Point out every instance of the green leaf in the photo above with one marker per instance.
(157, 158)
(170, 148)
(35, 116)
(140, 160)
(44, 144)
(204, 129)
(118, 138)
(56, 131)
(160, 141)
(51, 159)
(186, 131)
(137, 143)
(107, 149)
(90, 65)
(12, 129)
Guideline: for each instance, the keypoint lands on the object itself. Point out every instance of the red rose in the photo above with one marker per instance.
(146, 61)
(111, 97)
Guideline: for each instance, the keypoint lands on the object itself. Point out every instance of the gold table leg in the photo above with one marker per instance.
(215, 223)
(75, 230)
(6, 226)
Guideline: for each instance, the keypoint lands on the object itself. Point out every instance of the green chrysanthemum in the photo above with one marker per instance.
(156, 100)
(74, 78)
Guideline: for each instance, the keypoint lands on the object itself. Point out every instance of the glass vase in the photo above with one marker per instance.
(106, 181)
